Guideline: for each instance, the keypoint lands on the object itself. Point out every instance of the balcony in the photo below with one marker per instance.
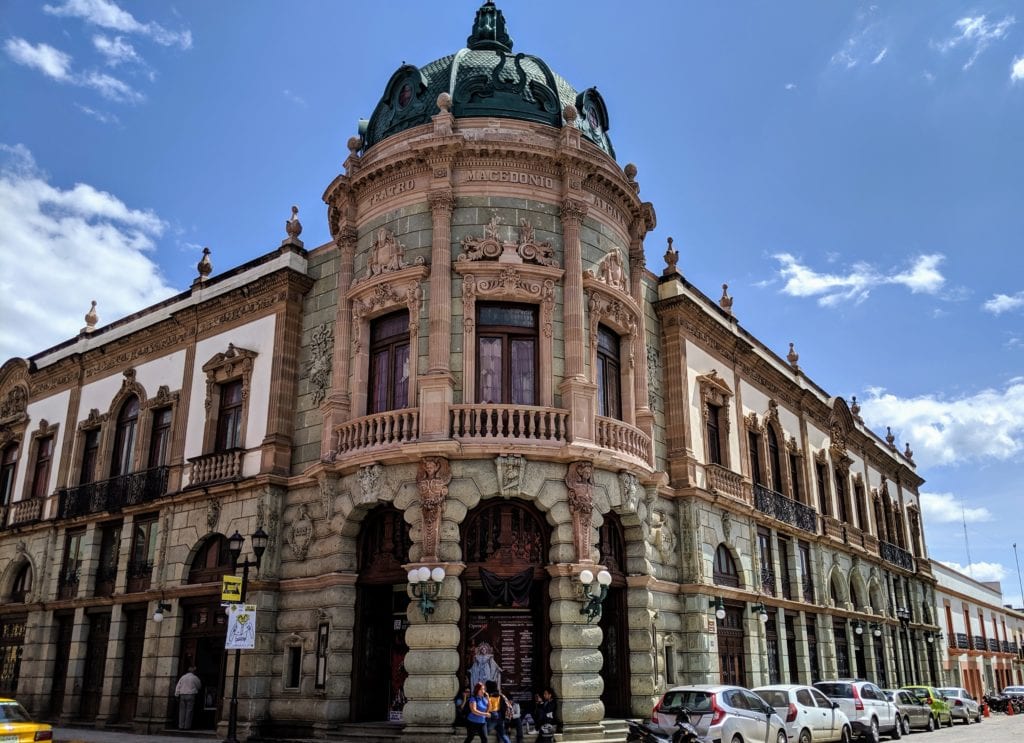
(833, 528)
(216, 467)
(509, 424)
(978, 642)
(924, 567)
(114, 494)
(962, 642)
(768, 581)
(67, 583)
(993, 645)
(622, 437)
(723, 480)
(896, 556)
(1004, 647)
(380, 430)
(140, 573)
(25, 512)
(785, 509)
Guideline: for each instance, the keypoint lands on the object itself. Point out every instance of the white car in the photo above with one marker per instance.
(870, 712)
(809, 715)
(730, 714)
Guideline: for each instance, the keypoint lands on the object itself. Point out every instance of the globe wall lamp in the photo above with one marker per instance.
(858, 627)
(876, 629)
(260, 539)
(903, 614)
(594, 595)
(161, 609)
(762, 612)
(426, 585)
(933, 636)
(719, 607)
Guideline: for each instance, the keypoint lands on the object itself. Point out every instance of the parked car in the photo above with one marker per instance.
(871, 714)
(731, 714)
(808, 714)
(17, 726)
(931, 696)
(915, 714)
(961, 704)
(1013, 691)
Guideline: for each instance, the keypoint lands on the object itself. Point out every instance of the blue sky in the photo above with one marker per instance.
(854, 172)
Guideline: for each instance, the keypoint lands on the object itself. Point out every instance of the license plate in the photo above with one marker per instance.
(8, 739)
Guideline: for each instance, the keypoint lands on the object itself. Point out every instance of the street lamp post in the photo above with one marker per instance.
(259, 544)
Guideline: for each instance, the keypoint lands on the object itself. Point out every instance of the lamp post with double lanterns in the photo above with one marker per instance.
(259, 545)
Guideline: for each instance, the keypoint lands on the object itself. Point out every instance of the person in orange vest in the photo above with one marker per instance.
(498, 709)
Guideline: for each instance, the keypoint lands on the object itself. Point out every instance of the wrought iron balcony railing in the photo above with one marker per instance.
(978, 643)
(768, 580)
(67, 583)
(114, 494)
(106, 576)
(785, 509)
(896, 555)
(963, 642)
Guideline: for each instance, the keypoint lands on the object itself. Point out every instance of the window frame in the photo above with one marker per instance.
(715, 396)
(234, 365)
(36, 486)
(390, 344)
(608, 372)
(509, 335)
(125, 437)
(9, 455)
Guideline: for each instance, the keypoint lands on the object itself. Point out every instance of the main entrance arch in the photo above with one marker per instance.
(505, 599)
(614, 621)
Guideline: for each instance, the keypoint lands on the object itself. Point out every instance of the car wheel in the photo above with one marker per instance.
(847, 736)
(931, 723)
(873, 735)
(905, 725)
(897, 729)
(737, 739)
(949, 722)
(805, 736)
(978, 718)
(781, 737)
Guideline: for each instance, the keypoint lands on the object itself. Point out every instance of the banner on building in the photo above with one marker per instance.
(241, 627)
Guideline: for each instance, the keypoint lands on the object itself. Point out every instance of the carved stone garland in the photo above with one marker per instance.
(491, 247)
(432, 478)
(320, 362)
(385, 295)
(579, 481)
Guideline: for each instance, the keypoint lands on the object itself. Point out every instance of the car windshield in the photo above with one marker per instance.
(694, 701)
(774, 697)
(13, 712)
(836, 691)
(949, 692)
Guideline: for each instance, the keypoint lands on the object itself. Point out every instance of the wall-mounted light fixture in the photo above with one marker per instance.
(762, 612)
(426, 585)
(903, 614)
(876, 629)
(933, 636)
(161, 609)
(719, 607)
(858, 627)
(594, 596)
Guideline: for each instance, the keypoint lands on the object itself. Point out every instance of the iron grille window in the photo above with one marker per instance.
(322, 643)
(609, 400)
(106, 571)
(725, 573)
(140, 564)
(71, 568)
(389, 363)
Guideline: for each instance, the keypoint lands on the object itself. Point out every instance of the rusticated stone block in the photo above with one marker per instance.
(576, 660)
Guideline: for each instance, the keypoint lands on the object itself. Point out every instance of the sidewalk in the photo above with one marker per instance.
(91, 735)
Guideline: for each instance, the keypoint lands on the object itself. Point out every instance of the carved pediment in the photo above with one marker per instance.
(525, 249)
(611, 271)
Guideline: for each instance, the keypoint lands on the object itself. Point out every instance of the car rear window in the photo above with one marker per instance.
(949, 692)
(774, 697)
(694, 701)
(834, 690)
(13, 713)
(921, 693)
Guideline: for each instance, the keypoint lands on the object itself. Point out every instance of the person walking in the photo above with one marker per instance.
(497, 711)
(476, 717)
(186, 691)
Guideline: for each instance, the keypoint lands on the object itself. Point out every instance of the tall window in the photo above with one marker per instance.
(862, 506)
(609, 402)
(140, 562)
(725, 573)
(821, 480)
(774, 460)
(806, 576)
(22, 584)
(754, 442)
(714, 432)
(389, 363)
(67, 582)
(41, 471)
(794, 476)
(106, 570)
(159, 438)
(880, 531)
(785, 577)
(507, 354)
(90, 452)
(844, 514)
(8, 465)
(764, 542)
(229, 416)
(124, 437)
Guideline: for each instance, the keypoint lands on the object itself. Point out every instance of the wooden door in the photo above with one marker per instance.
(131, 661)
(202, 646)
(65, 629)
(615, 655)
(95, 666)
(379, 693)
(730, 647)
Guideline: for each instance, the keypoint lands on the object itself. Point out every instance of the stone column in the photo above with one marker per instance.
(337, 406)
(437, 385)
(109, 702)
(76, 669)
(803, 653)
(578, 394)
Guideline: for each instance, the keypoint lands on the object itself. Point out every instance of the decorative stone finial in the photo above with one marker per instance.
(855, 409)
(354, 143)
(293, 226)
(793, 357)
(908, 452)
(569, 113)
(204, 266)
(890, 439)
(630, 171)
(726, 301)
(671, 259)
(91, 318)
(489, 30)
(444, 102)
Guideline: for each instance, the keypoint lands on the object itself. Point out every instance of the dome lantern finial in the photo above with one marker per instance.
(489, 30)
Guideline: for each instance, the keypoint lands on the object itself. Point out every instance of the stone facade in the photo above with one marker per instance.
(476, 374)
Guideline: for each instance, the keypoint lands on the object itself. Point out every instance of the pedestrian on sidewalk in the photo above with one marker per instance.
(476, 719)
(186, 691)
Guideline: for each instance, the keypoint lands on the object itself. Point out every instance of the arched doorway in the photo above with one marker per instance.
(504, 599)
(204, 631)
(378, 670)
(731, 656)
(614, 621)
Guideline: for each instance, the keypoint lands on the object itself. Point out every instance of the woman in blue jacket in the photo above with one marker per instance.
(476, 719)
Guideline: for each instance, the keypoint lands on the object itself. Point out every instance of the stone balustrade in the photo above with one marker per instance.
(622, 437)
(725, 481)
(213, 467)
(390, 428)
(509, 423)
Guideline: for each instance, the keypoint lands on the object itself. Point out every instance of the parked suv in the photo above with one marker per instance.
(931, 696)
(961, 704)
(725, 713)
(871, 714)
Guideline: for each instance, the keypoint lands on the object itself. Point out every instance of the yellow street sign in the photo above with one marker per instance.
(231, 588)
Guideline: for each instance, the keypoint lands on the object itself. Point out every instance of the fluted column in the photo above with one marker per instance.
(578, 393)
(337, 406)
(437, 386)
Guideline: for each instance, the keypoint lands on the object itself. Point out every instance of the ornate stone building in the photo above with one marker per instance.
(476, 374)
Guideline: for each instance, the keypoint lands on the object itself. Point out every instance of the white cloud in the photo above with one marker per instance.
(1017, 70)
(980, 571)
(106, 14)
(61, 248)
(111, 88)
(294, 98)
(985, 425)
(116, 50)
(1001, 303)
(976, 33)
(101, 116)
(43, 57)
(856, 285)
(880, 56)
(944, 508)
(790, 86)
(863, 43)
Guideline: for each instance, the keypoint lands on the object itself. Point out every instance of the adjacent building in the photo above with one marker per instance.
(477, 376)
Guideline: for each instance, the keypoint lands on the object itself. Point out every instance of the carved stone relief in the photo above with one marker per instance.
(653, 378)
(611, 271)
(604, 309)
(212, 514)
(511, 474)
(386, 295)
(299, 533)
(387, 254)
(328, 490)
(580, 482)
(320, 361)
(662, 536)
(371, 482)
(726, 526)
(525, 249)
(630, 490)
(432, 478)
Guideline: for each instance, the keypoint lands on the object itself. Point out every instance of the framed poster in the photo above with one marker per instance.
(501, 649)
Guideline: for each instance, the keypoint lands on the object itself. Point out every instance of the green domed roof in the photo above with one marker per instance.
(486, 79)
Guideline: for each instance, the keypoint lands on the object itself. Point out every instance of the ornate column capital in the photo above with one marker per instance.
(346, 237)
(573, 209)
(442, 201)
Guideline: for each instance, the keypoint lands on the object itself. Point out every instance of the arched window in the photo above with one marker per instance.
(855, 598)
(725, 573)
(22, 584)
(774, 460)
(212, 561)
(609, 399)
(383, 546)
(8, 464)
(124, 437)
(612, 545)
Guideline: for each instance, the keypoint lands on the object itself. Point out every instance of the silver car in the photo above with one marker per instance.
(807, 713)
(962, 704)
(730, 714)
